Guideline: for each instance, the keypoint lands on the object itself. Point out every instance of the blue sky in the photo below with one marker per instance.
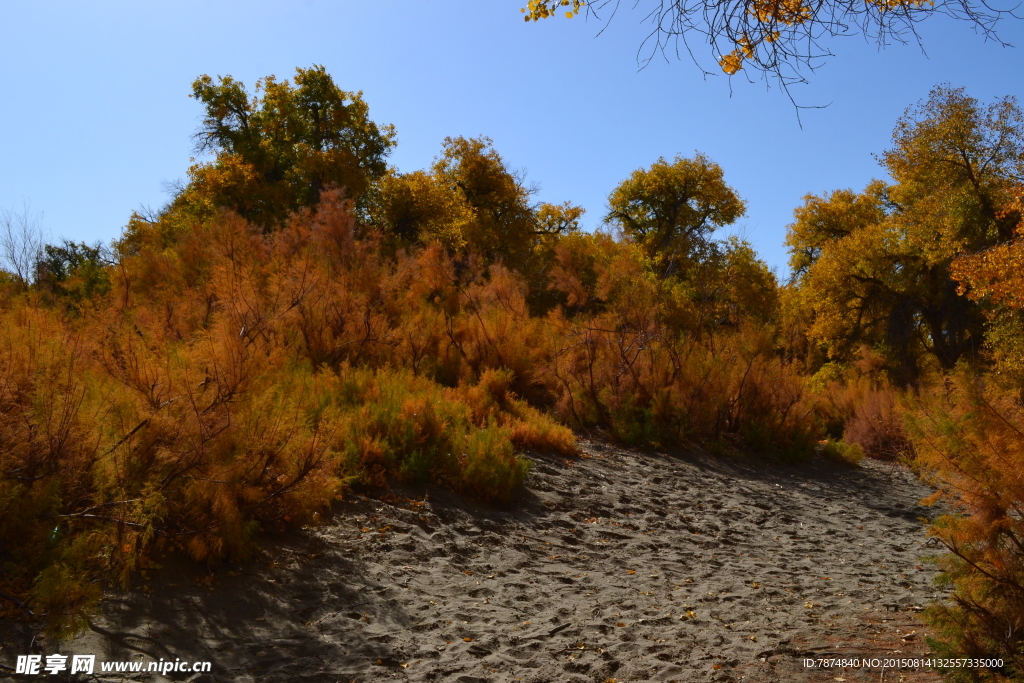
(95, 117)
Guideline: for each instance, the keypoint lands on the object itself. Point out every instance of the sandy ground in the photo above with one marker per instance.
(618, 566)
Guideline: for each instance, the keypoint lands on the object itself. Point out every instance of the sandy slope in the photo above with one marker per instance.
(620, 565)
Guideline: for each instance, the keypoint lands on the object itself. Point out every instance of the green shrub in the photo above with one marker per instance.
(840, 451)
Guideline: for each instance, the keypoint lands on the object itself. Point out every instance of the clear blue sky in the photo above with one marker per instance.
(95, 117)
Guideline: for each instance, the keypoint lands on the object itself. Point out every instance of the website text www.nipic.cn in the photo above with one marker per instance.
(35, 665)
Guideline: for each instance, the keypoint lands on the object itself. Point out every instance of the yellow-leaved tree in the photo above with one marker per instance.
(276, 151)
(471, 202)
(969, 438)
(874, 267)
(671, 209)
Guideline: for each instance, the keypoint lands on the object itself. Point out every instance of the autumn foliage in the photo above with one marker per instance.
(969, 433)
(240, 379)
(906, 304)
(268, 342)
(301, 321)
(781, 38)
(969, 437)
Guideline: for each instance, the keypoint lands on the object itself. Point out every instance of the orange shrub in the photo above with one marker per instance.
(969, 437)
(646, 358)
(233, 380)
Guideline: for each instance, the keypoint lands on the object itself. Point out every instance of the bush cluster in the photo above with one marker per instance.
(234, 379)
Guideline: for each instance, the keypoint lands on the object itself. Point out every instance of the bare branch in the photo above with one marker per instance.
(779, 39)
(21, 244)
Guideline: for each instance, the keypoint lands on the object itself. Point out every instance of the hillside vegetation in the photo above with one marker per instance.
(302, 319)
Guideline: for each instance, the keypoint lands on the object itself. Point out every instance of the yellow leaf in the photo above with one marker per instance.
(731, 63)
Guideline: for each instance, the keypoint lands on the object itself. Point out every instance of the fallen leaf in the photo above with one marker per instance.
(468, 640)
(755, 584)
(619, 624)
(631, 571)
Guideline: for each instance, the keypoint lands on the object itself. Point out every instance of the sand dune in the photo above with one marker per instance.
(621, 565)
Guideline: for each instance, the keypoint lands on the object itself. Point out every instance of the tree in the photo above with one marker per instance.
(277, 150)
(969, 440)
(671, 209)
(995, 278)
(21, 243)
(73, 270)
(503, 224)
(822, 220)
(417, 207)
(470, 199)
(781, 38)
(751, 291)
(874, 267)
